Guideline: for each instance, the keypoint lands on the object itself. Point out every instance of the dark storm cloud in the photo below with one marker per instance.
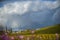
(30, 14)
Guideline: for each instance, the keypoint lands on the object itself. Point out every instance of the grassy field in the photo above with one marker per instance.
(36, 37)
(47, 33)
(49, 30)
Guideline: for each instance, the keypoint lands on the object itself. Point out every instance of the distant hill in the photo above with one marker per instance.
(45, 30)
(49, 30)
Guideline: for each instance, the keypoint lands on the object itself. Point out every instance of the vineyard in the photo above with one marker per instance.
(35, 37)
(47, 33)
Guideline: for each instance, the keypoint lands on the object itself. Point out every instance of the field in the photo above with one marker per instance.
(47, 33)
(35, 37)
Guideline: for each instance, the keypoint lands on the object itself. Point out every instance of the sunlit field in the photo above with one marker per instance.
(34, 37)
(47, 33)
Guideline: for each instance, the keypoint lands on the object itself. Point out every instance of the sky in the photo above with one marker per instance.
(29, 14)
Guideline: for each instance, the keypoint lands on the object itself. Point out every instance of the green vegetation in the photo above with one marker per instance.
(37, 37)
(47, 33)
(49, 30)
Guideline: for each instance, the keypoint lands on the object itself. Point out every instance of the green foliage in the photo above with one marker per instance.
(37, 37)
(49, 30)
(1, 30)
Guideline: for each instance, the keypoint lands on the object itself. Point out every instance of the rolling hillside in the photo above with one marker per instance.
(49, 30)
(45, 30)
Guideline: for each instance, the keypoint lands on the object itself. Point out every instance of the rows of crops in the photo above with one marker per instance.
(32, 36)
(35, 37)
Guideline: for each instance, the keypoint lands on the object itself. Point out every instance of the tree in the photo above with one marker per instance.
(1, 29)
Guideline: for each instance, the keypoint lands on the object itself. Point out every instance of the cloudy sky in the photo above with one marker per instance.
(28, 14)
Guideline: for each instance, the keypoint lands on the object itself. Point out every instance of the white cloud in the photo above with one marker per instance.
(24, 6)
(14, 24)
(16, 7)
(51, 5)
(3, 21)
(41, 5)
(12, 8)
